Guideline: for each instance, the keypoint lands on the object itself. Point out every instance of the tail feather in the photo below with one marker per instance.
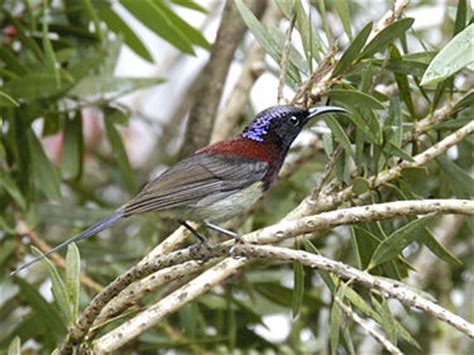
(89, 232)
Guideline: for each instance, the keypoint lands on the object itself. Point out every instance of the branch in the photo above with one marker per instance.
(383, 285)
(330, 201)
(276, 233)
(86, 319)
(379, 336)
(212, 78)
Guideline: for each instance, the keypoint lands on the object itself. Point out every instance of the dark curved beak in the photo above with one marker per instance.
(315, 111)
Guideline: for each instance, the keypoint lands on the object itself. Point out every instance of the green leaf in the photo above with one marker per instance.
(190, 4)
(398, 240)
(117, 25)
(49, 316)
(393, 150)
(457, 54)
(309, 35)
(72, 279)
(355, 98)
(336, 320)
(58, 288)
(342, 8)
(73, 149)
(461, 15)
(339, 134)
(120, 155)
(298, 292)
(91, 85)
(428, 239)
(388, 322)
(14, 347)
(48, 47)
(353, 50)
(193, 35)
(151, 15)
(43, 170)
(369, 125)
(37, 85)
(386, 36)
(10, 186)
(402, 83)
(393, 125)
(7, 101)
(461, 183)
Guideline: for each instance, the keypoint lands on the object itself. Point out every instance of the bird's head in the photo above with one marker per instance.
(283, 123)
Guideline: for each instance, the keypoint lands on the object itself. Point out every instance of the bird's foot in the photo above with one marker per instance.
(200, 251)
(202, 238)
(234, 249)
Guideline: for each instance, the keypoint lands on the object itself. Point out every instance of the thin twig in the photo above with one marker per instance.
(23, 229)
(273, 234)
(375, 333)
(285, 58)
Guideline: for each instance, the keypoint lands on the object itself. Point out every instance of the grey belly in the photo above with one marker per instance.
(216, 209)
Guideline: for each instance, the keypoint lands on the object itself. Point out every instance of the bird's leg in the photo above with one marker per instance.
(236, 236)
(186, 225)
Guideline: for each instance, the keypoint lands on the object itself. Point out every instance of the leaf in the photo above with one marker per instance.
(353, 50)
(398, 240)
(193, 35)
(43, 170)
(369, 125)
(462, 184)
(115, 23)
(120, 155)
(48, 314)
(298, 292)
(402, 83)
(388, 322)
(58, 288)
(190, 4)
(386, 36)
(342, 8)
(73, 149)
(7, 101)
(309, 35)
(461, 15)
(336, 319)
(428, 239)
(151, 15)
(14, 347)
(72, 279)
(37, 85)
(457, 54)
(10, 186)
(339, 134)
(355, 98)
(48, 47)
(91, 85)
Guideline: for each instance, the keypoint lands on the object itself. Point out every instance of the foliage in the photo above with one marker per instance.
(58, 61)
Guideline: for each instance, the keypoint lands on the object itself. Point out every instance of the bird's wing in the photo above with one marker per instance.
(195, 178)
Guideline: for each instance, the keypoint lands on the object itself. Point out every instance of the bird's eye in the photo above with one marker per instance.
(294, 120)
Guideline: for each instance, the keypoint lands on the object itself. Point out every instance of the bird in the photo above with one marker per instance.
(218, 181)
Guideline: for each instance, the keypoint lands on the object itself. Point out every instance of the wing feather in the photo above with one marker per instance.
(195, 178)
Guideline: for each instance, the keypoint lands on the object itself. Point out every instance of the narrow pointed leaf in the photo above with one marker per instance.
(190, 4)
(398, 240)
(155, 19)
(120, 155)
(336, 320)
(10, 186)
(58, 288)
(339, 134)
(402, 83)
(115, 23)
(386, 36)
(353, 50)
(298, 292)
(342, 7)
(72, 279)
(438, 249)
(388, 323)
(355, 98)
(462, 184)
(456, 55)
(43, 169)
(73, 150)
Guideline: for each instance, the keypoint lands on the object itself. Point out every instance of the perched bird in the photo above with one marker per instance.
(220, 180)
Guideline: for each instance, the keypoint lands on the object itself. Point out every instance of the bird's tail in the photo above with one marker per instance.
(92, 230)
